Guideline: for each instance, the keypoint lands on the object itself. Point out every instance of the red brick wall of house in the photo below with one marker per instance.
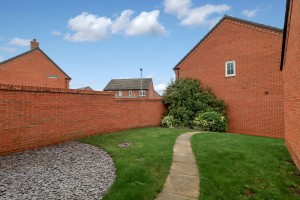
(291, 79)
(135, 94)
(151, 91)
(32, 69)
(31, 117)
(255, 95)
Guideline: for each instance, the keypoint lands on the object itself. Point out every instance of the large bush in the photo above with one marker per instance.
(186, 99)
(211, 121)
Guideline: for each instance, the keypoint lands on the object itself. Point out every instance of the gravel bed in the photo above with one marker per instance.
(70, 170)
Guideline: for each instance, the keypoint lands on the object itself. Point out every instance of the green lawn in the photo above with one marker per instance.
(142, 168)
(244, 167)
(231, 166)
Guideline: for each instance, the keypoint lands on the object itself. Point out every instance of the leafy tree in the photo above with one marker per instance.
(186, 99)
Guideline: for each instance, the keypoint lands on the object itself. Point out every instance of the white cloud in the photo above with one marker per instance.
(122, 22)
(160, 88)
(88, 27)
(250, 13)
(7, 49)
(145, 24)
(150, 76)
(178, 7)
(195, 16)
(19, 42)
(200, 16)
(55, 33)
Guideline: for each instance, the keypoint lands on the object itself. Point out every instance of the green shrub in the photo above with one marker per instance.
(211, 121)
(185, 99)
(168, 121)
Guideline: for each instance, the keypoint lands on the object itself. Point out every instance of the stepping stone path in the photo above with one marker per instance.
(183, 180)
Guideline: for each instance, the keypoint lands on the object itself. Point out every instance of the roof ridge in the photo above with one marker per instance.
(129, 78)
(30, 51)
(19, 55)
(253, 23)
(128, 84)
(221, 20)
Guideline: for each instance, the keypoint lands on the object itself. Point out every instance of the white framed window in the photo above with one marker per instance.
(230, 68)
(130, 93)
(53, 76)
(142, 93)
(120, 93)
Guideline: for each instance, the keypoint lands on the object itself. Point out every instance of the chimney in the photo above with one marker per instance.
(34, 44)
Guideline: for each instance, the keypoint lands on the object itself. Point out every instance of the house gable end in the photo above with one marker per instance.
(30, 52)
(33, 68)
(237, 21)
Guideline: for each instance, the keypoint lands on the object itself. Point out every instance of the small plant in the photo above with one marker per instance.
(211, 121)
(168, 121)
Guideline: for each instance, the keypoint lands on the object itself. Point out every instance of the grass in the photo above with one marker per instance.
(231, 166)
(142, 168)
(244, 167)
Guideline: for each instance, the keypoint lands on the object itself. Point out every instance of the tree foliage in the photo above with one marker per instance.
(186, 99)
(211, 121)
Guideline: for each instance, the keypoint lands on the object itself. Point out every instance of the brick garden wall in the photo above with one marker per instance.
(31, 117)
(291, 78)
(255, 95)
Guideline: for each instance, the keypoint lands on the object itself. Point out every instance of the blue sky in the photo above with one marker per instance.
(94, 41)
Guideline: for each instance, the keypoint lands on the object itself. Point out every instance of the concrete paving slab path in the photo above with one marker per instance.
(183, 180)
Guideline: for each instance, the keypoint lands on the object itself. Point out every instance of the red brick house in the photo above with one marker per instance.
(291, 78)
(33, 68)
(239, 60)
(85, 88)
(132, 88)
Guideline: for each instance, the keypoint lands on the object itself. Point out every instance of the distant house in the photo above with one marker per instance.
(132, 88)
(33, 68)
(85, 88)
(239, 60)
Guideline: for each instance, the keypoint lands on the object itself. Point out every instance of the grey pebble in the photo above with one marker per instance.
(69, 170)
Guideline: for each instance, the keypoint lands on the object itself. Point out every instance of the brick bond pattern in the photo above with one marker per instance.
(32, 69)
(32, 117)
(255, 96)
(291, 78)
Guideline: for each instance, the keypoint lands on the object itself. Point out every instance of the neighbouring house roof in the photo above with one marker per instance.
(31, 51)
(128, 84)
(225, 17)
(286, 19)
(85, 88)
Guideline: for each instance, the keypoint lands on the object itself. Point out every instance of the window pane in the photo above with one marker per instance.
(228, 70)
